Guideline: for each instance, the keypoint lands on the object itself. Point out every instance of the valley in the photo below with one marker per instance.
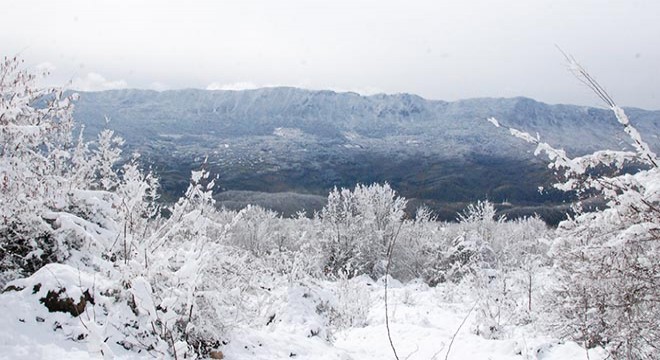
(286, 148)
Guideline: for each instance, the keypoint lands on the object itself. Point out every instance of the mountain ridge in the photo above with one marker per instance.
(295, 140)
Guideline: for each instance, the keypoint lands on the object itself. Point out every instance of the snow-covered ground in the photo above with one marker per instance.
(315, 320)
(423, 321)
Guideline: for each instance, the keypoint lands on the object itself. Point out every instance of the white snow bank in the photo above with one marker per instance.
(299, 322)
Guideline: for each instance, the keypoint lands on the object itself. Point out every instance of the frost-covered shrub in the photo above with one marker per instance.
(176, 259)
(609, 270)
(61, 198)
(524, 252)
(472, 250)
(257, 230)
(419, 248)
(35, 133)
(166, 286)
(495, 303)
(358, 227)
(352, 302)
(24, 252)
(498, 260)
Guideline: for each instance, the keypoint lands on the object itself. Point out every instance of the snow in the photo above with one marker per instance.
(423, 321)
(523, 135)
(288, 132)
(29, 331)
(493, 121)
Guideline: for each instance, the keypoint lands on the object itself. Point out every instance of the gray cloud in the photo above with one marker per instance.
(438, 49)
(96, 82)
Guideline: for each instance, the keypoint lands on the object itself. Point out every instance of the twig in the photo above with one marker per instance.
(387, 274)
(412, 353)
(459, 329)
(435, 356)
(173, 346)
(582, 75)
(586, 350)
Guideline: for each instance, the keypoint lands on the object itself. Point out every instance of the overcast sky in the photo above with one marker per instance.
(437, 49)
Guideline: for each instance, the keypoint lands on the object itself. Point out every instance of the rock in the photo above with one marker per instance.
(56, 301)
(12, 288)
(216, 355)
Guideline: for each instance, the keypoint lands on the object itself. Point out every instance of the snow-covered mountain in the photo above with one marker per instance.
(289, 140)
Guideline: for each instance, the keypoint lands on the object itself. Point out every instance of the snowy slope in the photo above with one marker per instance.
(301, 321)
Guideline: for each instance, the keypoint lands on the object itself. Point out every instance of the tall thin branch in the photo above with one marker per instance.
(390, 248)
(583, 75)
(459, 329)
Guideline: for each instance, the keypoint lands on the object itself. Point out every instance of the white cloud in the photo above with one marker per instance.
(97, 82)
(241, 85)
(440, 50)
(248, 85)
(159, 86)
(365, 91)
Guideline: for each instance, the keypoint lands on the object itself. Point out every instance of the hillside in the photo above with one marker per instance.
(288, 141)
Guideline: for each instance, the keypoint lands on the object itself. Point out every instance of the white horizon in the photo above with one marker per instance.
(469, 49)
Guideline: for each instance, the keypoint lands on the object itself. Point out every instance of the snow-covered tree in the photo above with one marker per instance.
(104, 158)
(137, 193)
(359, 226)
(35, 137)
(419, 249)
(472, 250)
(256, 230)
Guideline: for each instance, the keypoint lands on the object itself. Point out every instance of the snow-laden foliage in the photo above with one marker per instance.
(256, 229)
(507, 288)
(607, 262)
(71, 202)
(359, 225)
(34, 170)
(419, 250)
(609, 269)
